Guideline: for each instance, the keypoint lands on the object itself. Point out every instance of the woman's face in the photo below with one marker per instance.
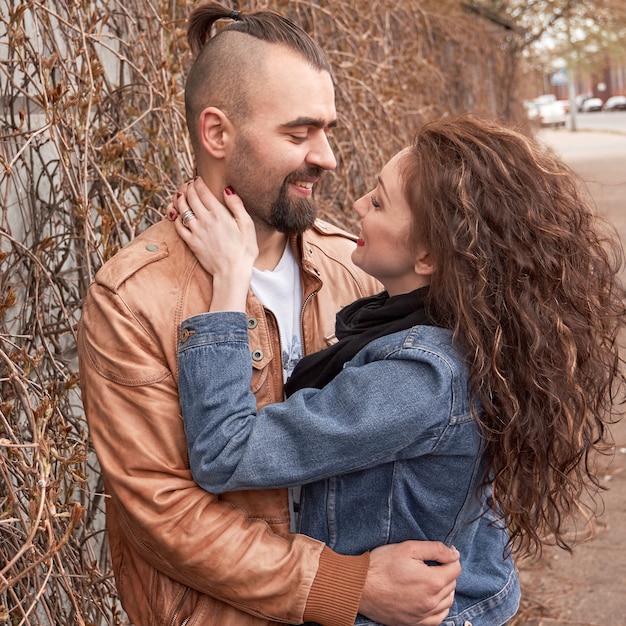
(383, 249)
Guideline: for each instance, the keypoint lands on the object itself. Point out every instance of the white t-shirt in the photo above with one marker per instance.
(280, 291)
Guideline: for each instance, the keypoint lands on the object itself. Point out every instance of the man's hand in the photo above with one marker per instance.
(402, 590)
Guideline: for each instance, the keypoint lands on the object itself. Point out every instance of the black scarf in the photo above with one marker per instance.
(357, 324)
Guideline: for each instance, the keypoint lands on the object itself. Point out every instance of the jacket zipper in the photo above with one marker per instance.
(178, 609)
(306, 301)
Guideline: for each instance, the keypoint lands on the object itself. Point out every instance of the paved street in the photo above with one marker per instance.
(587, 588)
(612, 121)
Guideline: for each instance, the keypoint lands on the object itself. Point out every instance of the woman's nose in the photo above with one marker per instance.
(360, 206)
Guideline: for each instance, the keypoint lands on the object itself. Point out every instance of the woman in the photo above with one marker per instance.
(463, 404)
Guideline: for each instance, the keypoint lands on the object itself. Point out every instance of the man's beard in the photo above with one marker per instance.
(282, 213)
(292, 217)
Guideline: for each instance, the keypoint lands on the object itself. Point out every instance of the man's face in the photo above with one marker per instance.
(282, 149)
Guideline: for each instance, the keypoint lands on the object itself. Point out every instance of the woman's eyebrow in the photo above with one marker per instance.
(382, 186)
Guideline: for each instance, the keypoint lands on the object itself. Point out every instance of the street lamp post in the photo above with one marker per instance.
(571, 89)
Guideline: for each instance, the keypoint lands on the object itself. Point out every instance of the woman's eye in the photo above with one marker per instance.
(374, 202)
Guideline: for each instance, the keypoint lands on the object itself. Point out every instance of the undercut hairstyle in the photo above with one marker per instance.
(527, 277)
(230, 60)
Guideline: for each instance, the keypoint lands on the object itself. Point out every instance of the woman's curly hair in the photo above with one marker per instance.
(527, 277)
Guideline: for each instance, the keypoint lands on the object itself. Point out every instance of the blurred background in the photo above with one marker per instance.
(93, 144)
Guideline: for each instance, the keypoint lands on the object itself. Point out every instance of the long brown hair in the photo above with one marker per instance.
(527, 278)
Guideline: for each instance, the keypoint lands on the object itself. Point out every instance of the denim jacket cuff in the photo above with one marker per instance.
(215, 327)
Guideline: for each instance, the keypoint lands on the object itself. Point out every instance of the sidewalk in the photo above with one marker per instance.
(588, 587)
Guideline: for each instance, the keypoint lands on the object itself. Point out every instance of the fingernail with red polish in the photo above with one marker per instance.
(172, 215)
(229, 191)
(179, 194)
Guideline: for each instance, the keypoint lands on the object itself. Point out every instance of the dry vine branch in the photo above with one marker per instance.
(93, 144)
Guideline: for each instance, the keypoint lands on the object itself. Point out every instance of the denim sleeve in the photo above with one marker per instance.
(366, 416)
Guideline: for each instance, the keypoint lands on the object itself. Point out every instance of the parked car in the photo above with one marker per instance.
(546, 111)
(565, 104)
(592, 104)
(551, 114)
(580, 100)
(615, 103)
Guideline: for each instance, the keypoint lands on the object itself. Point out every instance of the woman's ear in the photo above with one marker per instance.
(424, 263)
(215, 130)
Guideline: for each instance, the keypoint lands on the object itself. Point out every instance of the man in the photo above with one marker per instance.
(260, 103)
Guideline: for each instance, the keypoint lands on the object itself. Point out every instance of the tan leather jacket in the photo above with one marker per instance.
(182, 555)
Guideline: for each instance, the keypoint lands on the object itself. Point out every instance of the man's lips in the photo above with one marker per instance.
(306, 184)
(304, 187)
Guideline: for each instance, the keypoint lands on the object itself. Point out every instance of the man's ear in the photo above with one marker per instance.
(215, 130)
(424, 263)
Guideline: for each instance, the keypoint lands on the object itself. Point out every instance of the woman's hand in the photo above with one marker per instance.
(223, 239)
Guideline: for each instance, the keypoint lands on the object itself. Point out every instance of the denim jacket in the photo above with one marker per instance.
(387, 451)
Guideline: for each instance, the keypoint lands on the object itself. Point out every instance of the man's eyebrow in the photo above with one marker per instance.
(309, 121)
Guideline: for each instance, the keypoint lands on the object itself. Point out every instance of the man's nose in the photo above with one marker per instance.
(321, 154)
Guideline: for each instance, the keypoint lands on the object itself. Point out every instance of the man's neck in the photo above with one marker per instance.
(271, 249)
(271, 243)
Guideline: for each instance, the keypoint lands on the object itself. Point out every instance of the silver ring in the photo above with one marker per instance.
(187, 216)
